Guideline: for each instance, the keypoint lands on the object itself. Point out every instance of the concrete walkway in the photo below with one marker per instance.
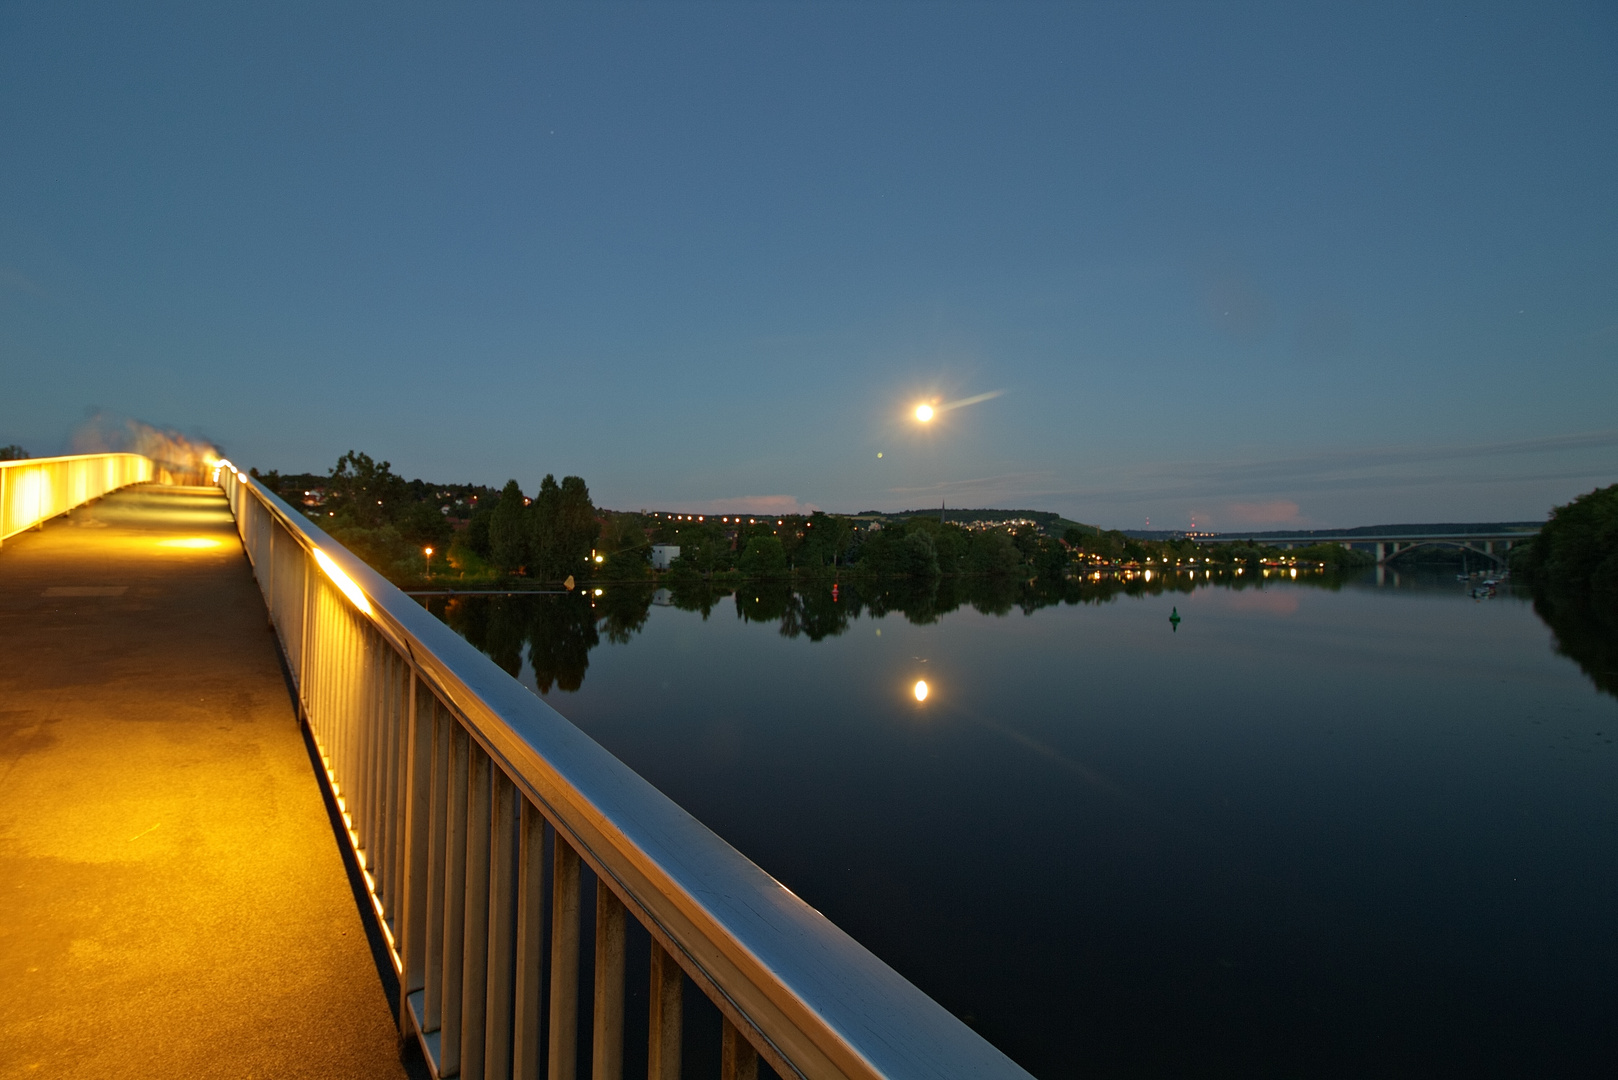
(173, 901)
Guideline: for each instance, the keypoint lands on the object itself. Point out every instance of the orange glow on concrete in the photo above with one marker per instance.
(192, 542)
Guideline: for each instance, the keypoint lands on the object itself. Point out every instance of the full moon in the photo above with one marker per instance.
(924, 413)
(920, 690)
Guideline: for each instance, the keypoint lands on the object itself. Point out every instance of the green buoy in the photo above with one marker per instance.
(1174, 619)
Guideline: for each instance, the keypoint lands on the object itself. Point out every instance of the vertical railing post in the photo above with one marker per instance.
(410, 924)
(529, 989)
(737, 1058)
(475, 951)
(449, 1062)
(564, 1025)
(438, 857)
(666, 1021)
(607, 1043)
(503, 859)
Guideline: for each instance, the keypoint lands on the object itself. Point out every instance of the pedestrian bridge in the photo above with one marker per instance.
(262, 814)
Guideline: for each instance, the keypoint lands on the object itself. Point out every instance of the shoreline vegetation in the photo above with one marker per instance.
(1572, 569)
(488, 538)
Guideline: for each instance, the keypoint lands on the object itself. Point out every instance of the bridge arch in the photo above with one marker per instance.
(1401, 548)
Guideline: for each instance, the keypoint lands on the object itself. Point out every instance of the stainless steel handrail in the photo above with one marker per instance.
(455, 780)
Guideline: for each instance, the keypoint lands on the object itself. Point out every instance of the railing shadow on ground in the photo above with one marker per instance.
(476, 816)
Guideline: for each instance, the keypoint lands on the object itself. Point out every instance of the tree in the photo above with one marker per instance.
(993, 552)
(764, 557)
(1577, 550)
(13, 452)
(509, 530)
(564, 529)
(364, 492)
(423, 525)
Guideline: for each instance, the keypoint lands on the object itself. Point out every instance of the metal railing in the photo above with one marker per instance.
(472, 807)
(34, 490)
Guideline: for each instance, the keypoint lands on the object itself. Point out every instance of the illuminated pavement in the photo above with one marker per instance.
(173, 900)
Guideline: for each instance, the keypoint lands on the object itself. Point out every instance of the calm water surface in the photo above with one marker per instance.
(1312, 832)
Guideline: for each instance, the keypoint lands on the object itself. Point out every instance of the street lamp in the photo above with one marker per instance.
(429, 553)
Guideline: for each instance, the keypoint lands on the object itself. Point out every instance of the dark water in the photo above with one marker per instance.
(1351, 831)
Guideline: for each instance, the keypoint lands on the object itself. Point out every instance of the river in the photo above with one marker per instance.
(1316, 827)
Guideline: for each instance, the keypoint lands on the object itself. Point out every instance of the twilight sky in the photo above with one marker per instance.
(1263, 264)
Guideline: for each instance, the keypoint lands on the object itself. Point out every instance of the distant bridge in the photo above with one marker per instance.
(1490, 541)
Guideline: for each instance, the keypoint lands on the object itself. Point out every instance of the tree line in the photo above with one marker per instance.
(1572, 568)
(478, 533)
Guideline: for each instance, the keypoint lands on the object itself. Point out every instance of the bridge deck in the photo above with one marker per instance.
(175, 902)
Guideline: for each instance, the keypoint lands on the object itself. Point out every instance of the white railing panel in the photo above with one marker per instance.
(34, 490)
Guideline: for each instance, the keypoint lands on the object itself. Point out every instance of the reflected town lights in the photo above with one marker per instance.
(920, 690)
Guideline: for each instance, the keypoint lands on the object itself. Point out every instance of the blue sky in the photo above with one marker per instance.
(1261, 264)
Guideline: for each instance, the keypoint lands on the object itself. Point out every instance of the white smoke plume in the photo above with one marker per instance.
(180, 458)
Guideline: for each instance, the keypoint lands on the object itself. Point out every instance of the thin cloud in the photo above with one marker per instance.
(1349, 469)
(767, 505)
(1274, 512)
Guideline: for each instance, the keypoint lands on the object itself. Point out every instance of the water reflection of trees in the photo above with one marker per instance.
(1584, 634)
(556, 632)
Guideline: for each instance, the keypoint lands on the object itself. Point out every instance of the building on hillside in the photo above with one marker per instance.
(663, 555)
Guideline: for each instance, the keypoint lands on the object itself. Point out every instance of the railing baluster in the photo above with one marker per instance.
(371, 712)
(525, 1051)
(474, 953)
(503, 854)
(390, 762)
(449, 1062)
(365, 728)
(410, 923)
(664, 1031)
(564, 1025)
(438, 846)
(737, 1058)
(607, 1043)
